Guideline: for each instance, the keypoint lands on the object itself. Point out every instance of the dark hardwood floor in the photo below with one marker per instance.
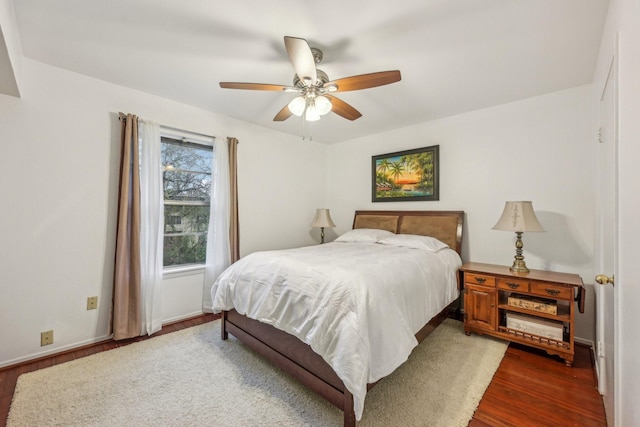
(530, 388)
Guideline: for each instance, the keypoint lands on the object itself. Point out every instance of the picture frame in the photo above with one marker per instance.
(410, 175)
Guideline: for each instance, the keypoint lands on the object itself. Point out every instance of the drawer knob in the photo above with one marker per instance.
(480, 279)
(513, 285)
(553, 292)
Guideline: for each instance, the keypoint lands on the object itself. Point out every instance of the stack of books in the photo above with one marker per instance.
(533, 303)
(535, 326)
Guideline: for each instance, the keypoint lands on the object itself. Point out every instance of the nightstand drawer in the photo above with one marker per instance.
(551, 291)
(513, 285)
(480, 279)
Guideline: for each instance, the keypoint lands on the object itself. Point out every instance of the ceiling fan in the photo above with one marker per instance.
(314, 86)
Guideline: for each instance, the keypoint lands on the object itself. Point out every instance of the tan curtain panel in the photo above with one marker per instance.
(234, 226)
(126, 282)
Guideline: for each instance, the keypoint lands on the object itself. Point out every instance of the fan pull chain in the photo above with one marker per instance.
(304, 137)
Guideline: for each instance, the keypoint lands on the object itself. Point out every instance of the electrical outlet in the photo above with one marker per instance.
(46, 338)
(92, 303)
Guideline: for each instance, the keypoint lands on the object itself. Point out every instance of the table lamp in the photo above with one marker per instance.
(518, 217)
(322, 220)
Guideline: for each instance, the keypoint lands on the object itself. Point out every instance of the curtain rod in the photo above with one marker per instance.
(123, 116)
(187, 131)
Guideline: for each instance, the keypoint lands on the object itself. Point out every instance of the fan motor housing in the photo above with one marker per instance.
(321, 75)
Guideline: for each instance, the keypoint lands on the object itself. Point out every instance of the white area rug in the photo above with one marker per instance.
(192, 378)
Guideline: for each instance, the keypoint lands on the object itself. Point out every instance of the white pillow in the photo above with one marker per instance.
(364, 235)
(414, 241)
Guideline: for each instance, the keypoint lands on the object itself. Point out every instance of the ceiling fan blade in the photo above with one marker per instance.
(254, 86)
(365, 81)
(283, 114)
(343, 109)
(302, 59)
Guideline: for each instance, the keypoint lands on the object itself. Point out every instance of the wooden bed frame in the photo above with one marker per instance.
(297, 358)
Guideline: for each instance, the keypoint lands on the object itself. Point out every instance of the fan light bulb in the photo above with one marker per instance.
(312, 114)
(323, 105)
(296, 106)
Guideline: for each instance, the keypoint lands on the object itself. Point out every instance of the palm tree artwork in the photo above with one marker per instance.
(408, 175)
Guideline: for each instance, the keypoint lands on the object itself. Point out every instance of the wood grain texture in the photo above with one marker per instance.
(532, 388)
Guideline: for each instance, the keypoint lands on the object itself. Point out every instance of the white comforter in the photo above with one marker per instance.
(358, 305)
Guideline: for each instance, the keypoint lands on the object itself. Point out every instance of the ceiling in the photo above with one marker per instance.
(455, 56)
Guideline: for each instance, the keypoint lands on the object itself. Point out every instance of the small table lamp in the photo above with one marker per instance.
(322, 220)
(518, 217)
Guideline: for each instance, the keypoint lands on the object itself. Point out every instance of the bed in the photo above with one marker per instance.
(343, 349)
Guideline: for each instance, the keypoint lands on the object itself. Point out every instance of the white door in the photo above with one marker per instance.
(606, 241)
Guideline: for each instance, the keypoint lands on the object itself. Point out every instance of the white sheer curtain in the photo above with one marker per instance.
(151, 226)
(218, 249)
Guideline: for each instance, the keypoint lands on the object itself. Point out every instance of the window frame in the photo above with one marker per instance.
(196, 141)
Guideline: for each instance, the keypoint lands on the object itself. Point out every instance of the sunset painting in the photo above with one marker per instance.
(406, 175)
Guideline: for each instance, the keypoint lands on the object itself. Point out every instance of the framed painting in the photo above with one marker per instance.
(411, 175)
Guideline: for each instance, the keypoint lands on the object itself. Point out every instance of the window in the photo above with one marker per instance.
(186, 178)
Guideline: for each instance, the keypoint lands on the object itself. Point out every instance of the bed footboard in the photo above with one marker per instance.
(287, 352)
(299, 360)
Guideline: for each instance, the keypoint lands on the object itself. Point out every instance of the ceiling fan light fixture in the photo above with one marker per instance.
(314, 87)
(297, 105)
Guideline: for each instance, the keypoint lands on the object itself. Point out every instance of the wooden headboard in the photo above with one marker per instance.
(443, 225)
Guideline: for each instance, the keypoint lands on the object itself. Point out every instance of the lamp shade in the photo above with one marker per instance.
(322, 219)
(297, 105)
(519, 217)
(323, 105)
(312, 114)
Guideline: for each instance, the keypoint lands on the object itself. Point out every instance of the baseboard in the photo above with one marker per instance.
(182, 317)
(583, 341)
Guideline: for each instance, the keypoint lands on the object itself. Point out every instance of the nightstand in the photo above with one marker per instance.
(535, 308)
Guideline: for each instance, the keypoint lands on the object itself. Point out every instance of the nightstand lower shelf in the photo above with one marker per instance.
(532, 339)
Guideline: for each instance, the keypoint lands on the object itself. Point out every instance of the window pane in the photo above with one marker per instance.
(185, 249)
(185, 234)
(189, 157)
(187, 171)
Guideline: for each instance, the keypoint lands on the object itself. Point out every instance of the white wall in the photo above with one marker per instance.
(622, 23)
(538, 149)
(58, 186)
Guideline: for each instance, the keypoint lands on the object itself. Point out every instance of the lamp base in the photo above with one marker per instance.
(518, 263)
(519, 266)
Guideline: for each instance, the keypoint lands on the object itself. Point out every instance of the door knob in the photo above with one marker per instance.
(604, 279)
